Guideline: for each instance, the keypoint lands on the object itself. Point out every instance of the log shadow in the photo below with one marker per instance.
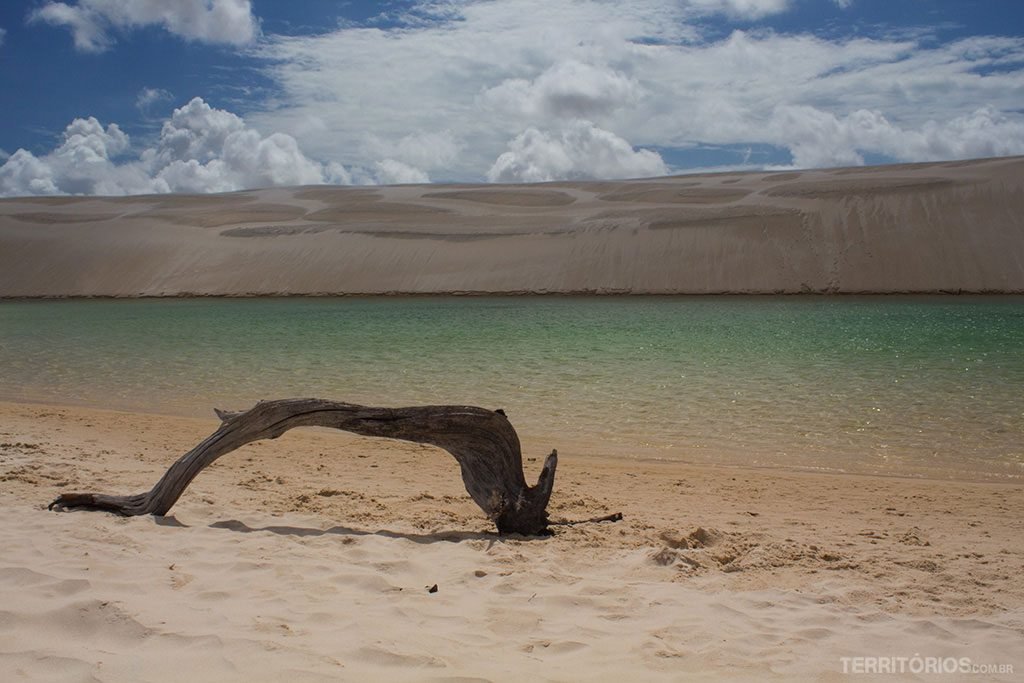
(169, 520)
(436, 537)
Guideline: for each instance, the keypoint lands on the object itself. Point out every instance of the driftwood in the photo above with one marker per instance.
(483, 442)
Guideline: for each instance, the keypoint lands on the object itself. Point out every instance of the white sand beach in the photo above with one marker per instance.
(933, 227)
(311, 558)
(314, 557)
(702, 322)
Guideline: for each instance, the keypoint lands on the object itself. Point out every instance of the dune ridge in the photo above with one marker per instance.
(925, 228)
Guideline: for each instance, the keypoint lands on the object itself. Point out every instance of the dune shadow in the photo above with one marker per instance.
(436, 537)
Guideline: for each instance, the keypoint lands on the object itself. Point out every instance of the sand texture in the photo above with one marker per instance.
(310, 558)
(936, 227)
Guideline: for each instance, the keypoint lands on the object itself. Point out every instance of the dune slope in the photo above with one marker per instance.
(937, 227)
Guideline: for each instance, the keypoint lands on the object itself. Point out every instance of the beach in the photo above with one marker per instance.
(520, 341)
(315, 557)
(812, 488)
(925, 228)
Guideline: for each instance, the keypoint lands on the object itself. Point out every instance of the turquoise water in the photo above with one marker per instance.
(906, 386)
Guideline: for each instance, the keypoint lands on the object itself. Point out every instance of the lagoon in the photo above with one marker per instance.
(904, 386)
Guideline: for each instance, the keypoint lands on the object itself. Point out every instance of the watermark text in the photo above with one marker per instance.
(920, 665)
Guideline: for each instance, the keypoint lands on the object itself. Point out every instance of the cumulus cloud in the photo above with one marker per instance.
(91, 22)
(568, 89)
(82, 164)
(816, 138)
(534, 89)
(476, 71)
(393, 172)
(199, 149)
(580, 151)
(203, 149)
(24, 174)
(149, 97)
(459, 84)
(433, 150)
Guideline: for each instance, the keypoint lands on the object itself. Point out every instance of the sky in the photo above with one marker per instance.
(115, 97)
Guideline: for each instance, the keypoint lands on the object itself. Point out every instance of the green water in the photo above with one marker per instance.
(906, 386)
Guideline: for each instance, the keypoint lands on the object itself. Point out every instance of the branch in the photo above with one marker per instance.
(483, 442)
(614, 517)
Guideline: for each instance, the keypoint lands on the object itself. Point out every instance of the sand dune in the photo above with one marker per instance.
(310, 558)
(938, 227)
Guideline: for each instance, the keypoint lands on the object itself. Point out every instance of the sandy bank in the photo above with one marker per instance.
(310, 557)
(938, 227)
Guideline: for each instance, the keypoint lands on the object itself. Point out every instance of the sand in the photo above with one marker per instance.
(935, 227)
(311, 558)
(315, 557)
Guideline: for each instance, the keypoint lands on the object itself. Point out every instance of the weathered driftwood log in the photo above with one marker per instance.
(483, 442)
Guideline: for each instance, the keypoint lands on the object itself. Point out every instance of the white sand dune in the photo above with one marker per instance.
(936, 227)
(309, 558)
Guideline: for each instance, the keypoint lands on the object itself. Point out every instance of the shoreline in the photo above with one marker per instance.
(533, 444)
(314, 553)
(942, 294)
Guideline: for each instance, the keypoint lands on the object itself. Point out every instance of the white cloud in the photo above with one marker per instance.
(24, 174)
(434, 150)
(3, 33)
(200, 149)
(86, 27)
(148, 97)
(579, 151)
(568, 89)
(84, 163)
(392, 172)
(534, 89)
(210, 21)
(203, 149)
(432, 78)
(744, 9)
(478, 74)
(816, 138)
(196, 131)
(983, 133)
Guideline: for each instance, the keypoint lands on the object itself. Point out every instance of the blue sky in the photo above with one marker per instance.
(132, 96)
